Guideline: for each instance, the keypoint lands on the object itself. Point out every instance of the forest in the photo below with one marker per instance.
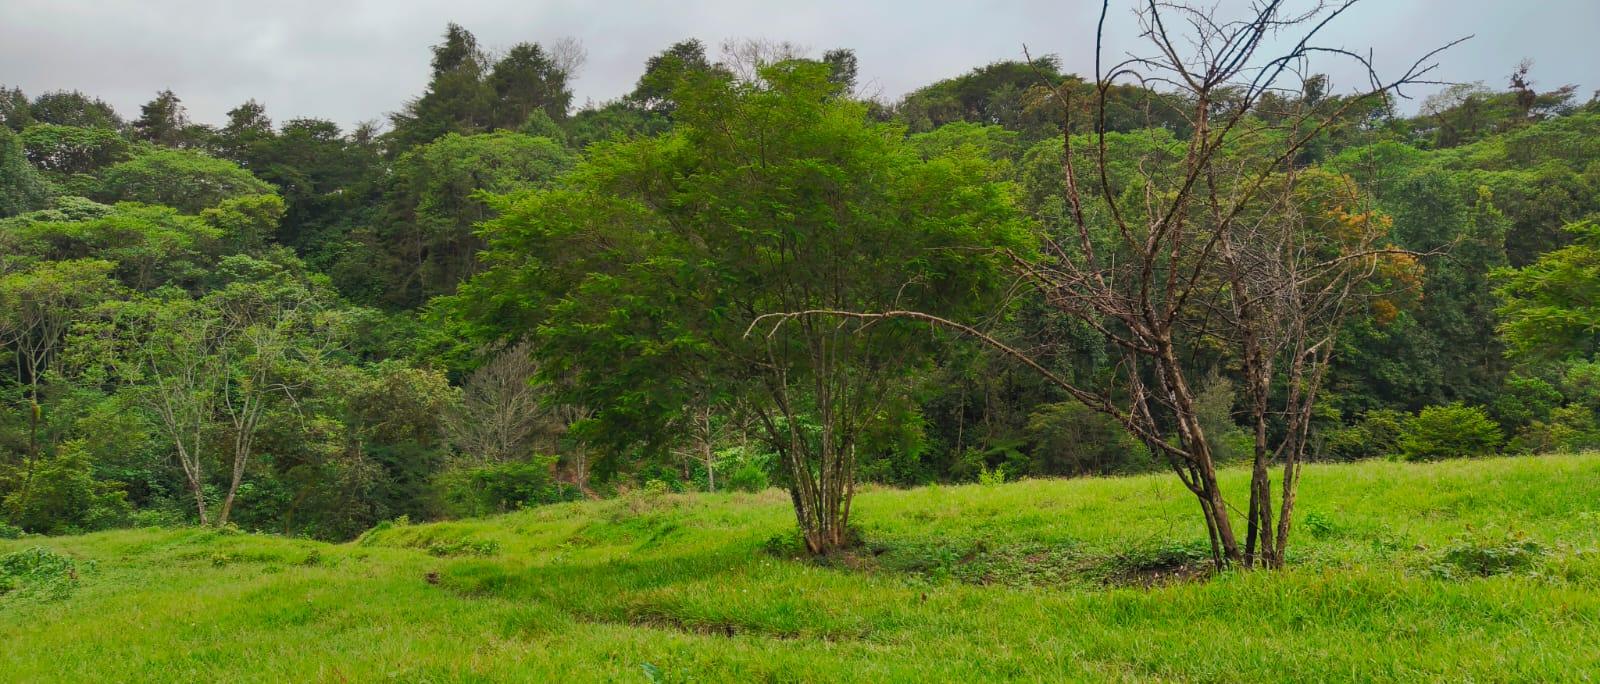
(747, 274)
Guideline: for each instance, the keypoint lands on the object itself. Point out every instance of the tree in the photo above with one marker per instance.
(37, 306)
(1549, 308)
(72, 108)
(15, 113)
(248, 128)
(149, 245)
(457, 99)
(664, 71)
(67, 150)
(162, 121)
(185, 180)
(21, 188)
(501, 412)
(1211, 243)
(645, 269)
(209, 368)
(526, 80)
(437, 195)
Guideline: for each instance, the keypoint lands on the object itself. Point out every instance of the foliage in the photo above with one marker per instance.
(21, 187)
(1481, 556)
(67, 150)
(1376, 434)
(1448, 431)
(184, 180)
(62, 496)
(439, 192)
(500, 487)
(37, 573)
(1549, 306)
(763, 189)
(627, 246)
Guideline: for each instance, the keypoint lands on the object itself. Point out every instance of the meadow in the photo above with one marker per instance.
(1464, 570)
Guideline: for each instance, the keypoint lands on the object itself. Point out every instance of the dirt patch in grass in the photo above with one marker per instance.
(1059, 564)
(1160, 576)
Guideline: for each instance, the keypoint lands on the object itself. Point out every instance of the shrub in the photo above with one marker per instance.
(501, 487)
(748, 477)
(37, 572)
(1448, 431)
(990, 477)
(1376, 434)
(1570, 428)
(1072, 439)
(1523, 400)
(62, 496)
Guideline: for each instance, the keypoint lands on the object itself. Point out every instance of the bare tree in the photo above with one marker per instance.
(500, 414)
(745, 57)
(569, 56)
(1224, 244)
(506, 413)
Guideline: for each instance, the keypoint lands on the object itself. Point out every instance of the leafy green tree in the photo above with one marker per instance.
(67, 150)
(524, 81)
(15, 113)
(457, 99)
(185, 180)
(665, 70)
(62, 496)
(150, 245)
(439, 192)
(72, 108)
(37, 307)
(165, 122)
(247, 130)
(647, 267)
(1550, 308)
(213, 368)
(21, 188)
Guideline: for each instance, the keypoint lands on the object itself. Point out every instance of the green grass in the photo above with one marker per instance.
(1483, 570)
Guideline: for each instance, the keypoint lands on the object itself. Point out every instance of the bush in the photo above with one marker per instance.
(37, 572)
(501, 487)
(748, 477)
(1069, 438)
(990, 477)
(1570, 428)
(63, 497)
(1449, 431)
(1376, 434)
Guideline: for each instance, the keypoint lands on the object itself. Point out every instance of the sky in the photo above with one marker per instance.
(357, 60)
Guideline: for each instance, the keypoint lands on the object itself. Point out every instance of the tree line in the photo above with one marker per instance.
(745, 274)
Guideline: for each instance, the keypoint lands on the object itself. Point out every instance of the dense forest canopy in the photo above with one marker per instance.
(495, 298)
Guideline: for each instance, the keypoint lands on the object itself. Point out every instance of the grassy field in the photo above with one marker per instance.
(1485, 570)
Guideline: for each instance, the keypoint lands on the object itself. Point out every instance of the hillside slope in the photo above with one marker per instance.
(1482, 570)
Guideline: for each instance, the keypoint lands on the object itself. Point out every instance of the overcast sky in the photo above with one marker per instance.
(355, 60)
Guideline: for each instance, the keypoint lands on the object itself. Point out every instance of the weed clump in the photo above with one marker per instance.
(463, 547)
(37, 573)
(1486, 557)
